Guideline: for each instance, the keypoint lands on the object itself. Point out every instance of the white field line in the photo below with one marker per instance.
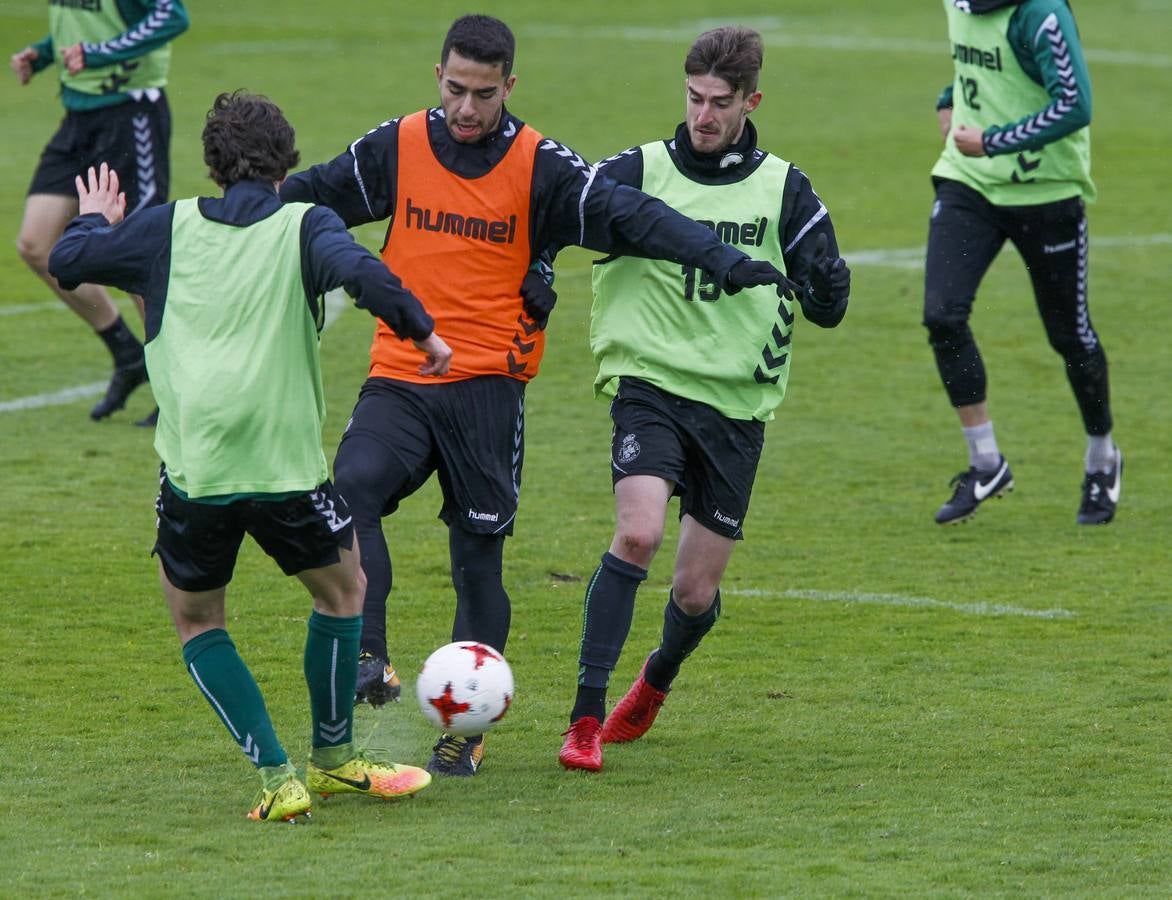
(860, 597)
(56, 398)
(336, 302)
(778, 33)
(913, 257)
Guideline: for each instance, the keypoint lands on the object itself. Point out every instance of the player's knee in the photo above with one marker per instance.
(694, 596)
(356, 480)
(34, 252)
(946, 331)
(638, 545)
(1073, 348)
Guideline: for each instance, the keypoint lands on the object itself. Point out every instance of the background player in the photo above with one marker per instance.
(1016, 165)
(233, 353)
(114, 60)
(694, 375)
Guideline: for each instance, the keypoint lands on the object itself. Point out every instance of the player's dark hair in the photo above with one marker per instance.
(247, 137)
(731, 53)
(483, 39)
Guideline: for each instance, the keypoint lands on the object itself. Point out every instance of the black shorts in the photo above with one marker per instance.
(471, 433)
(198, 542)
(132, 138)
(711, 458)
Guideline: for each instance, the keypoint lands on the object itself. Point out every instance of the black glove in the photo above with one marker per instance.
(830, 279)
(754, 272)
(538, 297)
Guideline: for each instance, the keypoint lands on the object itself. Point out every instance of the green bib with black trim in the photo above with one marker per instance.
(992, 89)
(93, 24)
(235, 367)
(672, 326)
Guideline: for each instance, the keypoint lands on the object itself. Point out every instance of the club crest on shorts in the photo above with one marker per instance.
(628, 450)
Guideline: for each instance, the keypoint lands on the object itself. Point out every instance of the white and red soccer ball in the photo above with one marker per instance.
(465, 688)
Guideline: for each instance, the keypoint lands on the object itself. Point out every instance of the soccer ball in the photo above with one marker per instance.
(465, 688)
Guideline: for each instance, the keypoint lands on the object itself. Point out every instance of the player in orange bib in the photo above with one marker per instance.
(473, 195)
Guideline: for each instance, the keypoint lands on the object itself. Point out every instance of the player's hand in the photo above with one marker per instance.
(969, 141)
(830, 279)
(754, 272)
(100, 194)
(439, 355)
(944, 118)
(538, 298)
(22, 64)
(73, 58)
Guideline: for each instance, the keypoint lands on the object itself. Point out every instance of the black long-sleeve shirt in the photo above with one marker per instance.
(570, 202)
(135, 255)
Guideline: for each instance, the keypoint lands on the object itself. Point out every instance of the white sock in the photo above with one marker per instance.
(1100, 453)
(983, 453)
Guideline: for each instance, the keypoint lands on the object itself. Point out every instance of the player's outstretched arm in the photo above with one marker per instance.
(331, 258)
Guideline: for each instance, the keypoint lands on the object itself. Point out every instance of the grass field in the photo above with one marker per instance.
(886, 708)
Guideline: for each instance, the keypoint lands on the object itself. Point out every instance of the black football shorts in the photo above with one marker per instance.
(711, 458)
(133, 138)
(198, 541)
(471, 433)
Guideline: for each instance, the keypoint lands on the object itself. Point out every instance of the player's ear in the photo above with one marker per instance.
(752, 101)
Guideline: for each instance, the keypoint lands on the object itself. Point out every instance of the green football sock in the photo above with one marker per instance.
(224, 679)
(331, 673)
(272, 777)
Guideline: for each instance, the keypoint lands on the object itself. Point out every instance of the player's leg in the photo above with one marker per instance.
(479, 428)
(385, 455)
(197, 546)
(647, 462)
(1052, 240)
(312, 536)
(134, 139)
(964, 236)
(721, 466)
(51, 204)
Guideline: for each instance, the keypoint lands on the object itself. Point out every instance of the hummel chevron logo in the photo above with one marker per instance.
(786, 316)
(515, 368)
(251, 750)
(528, 327)
(566, 152)
(333, 733)
(521, 345)
(982, 489)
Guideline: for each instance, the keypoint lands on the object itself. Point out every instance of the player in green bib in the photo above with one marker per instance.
(1016, 166)
(113, 58)
(694, 375)
(233, 289)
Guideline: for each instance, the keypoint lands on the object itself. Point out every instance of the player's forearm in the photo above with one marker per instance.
(80, 253)
(1056, 61)
(166, 20)
(380, 292)
(623, 220)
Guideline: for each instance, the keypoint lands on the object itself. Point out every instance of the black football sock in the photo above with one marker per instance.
(609, 607)
(681, 635)
(122, 344)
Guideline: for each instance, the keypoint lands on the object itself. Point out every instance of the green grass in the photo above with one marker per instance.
(831, 737)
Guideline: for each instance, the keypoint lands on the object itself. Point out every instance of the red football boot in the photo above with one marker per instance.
(634, 714)
(583, 746)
